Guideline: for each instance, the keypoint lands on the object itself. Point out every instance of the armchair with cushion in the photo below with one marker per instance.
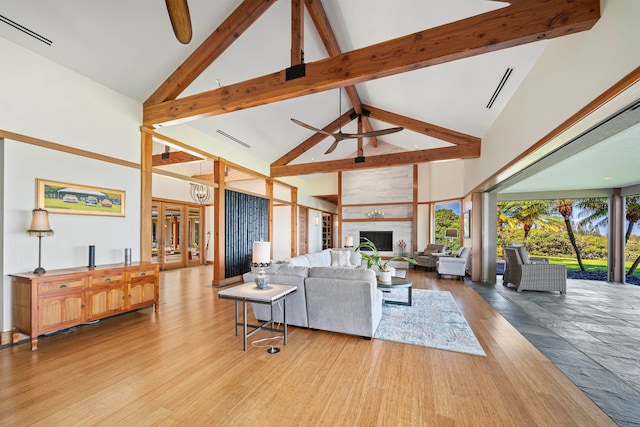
(454, 265)
(429, 256)
(534, 274)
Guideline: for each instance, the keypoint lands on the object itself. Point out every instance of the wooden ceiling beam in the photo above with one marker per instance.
(297, 32)
(328, 37)
(214, 45)
(522, 22)
(424, 128)
(313, 140)
(383, 160)
(173, 157)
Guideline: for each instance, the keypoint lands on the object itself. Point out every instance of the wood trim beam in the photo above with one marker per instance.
(146, 186)
(177, 143)
(313, 140)
(383, 160)
(219, 219)
(330, 42)
(229, 31)
(174, 157)
(525, 21)
(428, 129)
(297, 32)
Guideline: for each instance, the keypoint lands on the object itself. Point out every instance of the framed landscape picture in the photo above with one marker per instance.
(467, 224)
(78, 199)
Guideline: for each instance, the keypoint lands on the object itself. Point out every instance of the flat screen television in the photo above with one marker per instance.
(382, 239)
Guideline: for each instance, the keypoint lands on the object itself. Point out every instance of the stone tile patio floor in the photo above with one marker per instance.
(592, 334)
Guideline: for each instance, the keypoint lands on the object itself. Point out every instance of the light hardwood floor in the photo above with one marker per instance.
(185, 366)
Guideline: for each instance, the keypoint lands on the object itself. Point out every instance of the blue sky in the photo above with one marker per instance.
(454, 206)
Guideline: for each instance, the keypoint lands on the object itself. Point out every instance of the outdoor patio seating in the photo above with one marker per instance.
(535, 274)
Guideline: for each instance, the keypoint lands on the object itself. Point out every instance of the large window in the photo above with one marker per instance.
(447, 217)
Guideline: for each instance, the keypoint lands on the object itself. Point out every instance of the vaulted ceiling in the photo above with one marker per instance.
(443, 70)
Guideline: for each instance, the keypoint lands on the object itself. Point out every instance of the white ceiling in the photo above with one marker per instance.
(129, 46)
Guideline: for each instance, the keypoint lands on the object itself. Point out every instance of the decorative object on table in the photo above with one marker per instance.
(40, 227)
(402, 245)
(261, 258)
(92, 256)
(348, 242)
(64, 198)
(375, 214)
(451, 234)
(433, 320)
(375, 259)
(127, 256)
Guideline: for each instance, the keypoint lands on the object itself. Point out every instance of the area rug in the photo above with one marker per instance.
(434, 320)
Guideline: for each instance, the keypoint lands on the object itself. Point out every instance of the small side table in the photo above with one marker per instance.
(398, 282)
(249, 292)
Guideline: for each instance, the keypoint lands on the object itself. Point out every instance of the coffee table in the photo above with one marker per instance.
(249, 292)
(398, 282)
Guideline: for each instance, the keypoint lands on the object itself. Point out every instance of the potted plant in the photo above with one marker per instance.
(373, 258)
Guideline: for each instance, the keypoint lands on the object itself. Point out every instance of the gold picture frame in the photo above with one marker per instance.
(77, 199)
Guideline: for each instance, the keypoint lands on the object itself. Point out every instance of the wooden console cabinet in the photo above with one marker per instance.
(60, 299)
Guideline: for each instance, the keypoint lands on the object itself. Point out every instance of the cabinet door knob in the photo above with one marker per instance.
(64, 285)
(108, 279)
(143, 274)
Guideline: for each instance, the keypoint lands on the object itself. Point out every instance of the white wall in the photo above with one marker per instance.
(281, 242)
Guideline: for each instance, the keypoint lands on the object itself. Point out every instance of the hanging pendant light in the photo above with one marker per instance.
(200, 193)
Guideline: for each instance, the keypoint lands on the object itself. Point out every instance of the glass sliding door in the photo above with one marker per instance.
(194, 231)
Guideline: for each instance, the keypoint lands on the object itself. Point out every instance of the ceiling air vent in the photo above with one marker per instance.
(233, 138)
(505, 77)
(25, 30)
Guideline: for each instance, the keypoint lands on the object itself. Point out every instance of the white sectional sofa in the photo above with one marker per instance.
(333, 298)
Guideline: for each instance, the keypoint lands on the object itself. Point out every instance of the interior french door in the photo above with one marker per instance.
(176, 234)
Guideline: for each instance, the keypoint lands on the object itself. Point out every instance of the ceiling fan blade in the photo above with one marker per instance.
(333, 146)
(180, 19)
(304, 125)
(372, 133)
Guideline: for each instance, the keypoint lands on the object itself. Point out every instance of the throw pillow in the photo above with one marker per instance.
(339, 258)
(428, 252)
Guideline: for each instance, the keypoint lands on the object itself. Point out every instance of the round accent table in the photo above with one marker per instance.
(397, 282)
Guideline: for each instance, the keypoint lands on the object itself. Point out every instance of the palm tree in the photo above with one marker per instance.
(597, 214)
(633, 216)
(505, 219)
(535, 213)
(565, 208)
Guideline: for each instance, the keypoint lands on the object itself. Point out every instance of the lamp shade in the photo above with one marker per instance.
(40, 222)
(348, 241)
(261, 252)
(451, 233)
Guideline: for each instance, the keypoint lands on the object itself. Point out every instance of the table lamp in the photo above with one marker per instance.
(261, 258)
(451, 234)
(40, 227)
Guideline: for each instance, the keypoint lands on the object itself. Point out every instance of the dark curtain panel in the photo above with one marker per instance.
(246, 219)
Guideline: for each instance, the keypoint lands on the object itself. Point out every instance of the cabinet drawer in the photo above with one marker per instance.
(107, 279)
(57, 285)
(143, 274)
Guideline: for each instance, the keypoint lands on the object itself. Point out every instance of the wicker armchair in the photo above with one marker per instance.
(535, 274)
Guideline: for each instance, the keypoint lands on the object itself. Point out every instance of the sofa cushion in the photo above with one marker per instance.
(428, 252)
(339, 258)
(319, 259)
(346, 273)
(300, 260)
(293, 270)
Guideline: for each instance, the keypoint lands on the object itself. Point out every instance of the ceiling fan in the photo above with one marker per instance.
(339, 136)
(180, 19)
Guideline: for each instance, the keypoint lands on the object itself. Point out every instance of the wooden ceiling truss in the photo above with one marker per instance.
(523, 21)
